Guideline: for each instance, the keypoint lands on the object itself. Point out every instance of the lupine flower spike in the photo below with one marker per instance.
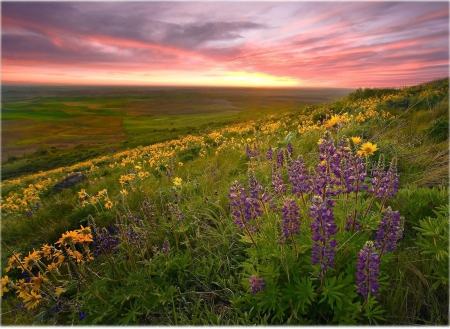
(257, 284)
(389, 231)
(367, 271)
(323, 227)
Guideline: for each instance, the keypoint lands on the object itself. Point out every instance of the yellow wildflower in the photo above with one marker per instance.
(52, 267)
(37, 281)
(47, 251)
(22, 288)
(59, 291)
(4, 287)
(180, 164)
(356, 140)
(13, 262)
(108, 205)
(61, 259)
(368, 149)
(31, 300)
(82, 194)
(31, 259)
(333, 121)
(68, 237)
(177, 181)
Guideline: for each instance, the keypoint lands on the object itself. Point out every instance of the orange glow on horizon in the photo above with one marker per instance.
(52, 75)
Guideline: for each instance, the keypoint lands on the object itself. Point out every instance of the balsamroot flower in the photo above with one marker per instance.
(177, 181)
(290, 215)
(367, 149)
(356, 140)
(257, 283)
(367, 270)
(389, 231)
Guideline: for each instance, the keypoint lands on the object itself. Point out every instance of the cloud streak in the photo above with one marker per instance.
(339, 44)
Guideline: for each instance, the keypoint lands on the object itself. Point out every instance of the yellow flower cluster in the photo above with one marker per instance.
(271, 127)
(27, 198)
(47, 262)
(336, 120)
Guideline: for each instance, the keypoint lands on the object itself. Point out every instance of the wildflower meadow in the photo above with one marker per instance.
(321, 215)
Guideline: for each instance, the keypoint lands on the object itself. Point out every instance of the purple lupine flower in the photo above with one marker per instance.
(249, 151)
(367, 273)
(104, 240)
(290, 149)
(290, 215)
(390, 181)
(340, 158)
(280, 159)
(166, 246)
(298, 177)
(351, 221)
(252, 153)
(278, 182)
(389, 231)
(323, 227)
(81, 316)
(133, 236)
(255, 151)
(256, 283)
(385, 183)
(354, 174)
(253, 185)
(375, 182)
(324, 182)
(175, 210)
(269, 154)
(244, 208)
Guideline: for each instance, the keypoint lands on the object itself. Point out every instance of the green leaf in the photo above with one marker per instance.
(302, 293)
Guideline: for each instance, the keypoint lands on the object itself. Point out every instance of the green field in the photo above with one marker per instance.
(65, 121)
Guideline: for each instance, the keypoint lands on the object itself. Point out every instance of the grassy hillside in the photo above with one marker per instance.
(264, 221)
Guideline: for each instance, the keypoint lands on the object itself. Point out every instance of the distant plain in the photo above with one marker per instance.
(80, 122)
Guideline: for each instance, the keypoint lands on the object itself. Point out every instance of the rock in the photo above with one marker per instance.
(70, 181)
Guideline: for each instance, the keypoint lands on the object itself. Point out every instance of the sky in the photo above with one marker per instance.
(239, 43)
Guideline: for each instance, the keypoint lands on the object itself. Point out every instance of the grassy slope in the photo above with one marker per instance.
(417, 137)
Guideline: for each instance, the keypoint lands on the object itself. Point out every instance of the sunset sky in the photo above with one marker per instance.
(295, 44)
